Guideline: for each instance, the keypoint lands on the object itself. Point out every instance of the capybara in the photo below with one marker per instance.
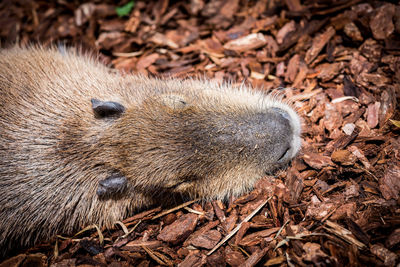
(83, 144)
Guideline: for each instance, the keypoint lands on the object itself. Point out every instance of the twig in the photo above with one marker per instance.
(133, 229)
(156, 257)
(124, 228)
(227, 237)
(343, 233)
(174, 209)
(280, 230)
(90, 227)
(194, 211)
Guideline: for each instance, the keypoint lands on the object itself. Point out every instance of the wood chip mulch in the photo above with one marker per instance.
(337, 60)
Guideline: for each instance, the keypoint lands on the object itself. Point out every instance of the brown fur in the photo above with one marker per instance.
(192, 138)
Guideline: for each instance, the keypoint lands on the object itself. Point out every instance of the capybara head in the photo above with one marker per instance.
(202, 139)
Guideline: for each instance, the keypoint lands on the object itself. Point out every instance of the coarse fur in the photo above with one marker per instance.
(193, 138)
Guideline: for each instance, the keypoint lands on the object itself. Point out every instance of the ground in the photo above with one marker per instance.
(338, 61)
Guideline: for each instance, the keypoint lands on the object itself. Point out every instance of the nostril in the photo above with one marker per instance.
(284, 155)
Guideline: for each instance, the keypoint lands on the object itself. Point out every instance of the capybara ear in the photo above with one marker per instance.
(112, 186)
(105, 109)
(176, 102)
